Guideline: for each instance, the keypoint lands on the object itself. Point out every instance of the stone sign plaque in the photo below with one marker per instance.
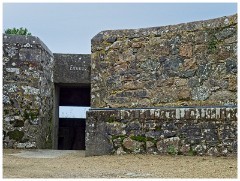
(72, 68)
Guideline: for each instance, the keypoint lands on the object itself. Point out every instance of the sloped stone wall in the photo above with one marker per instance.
(166, 130)
(27, 92)
(185, 64)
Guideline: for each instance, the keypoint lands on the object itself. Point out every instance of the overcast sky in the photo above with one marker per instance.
(68, 28)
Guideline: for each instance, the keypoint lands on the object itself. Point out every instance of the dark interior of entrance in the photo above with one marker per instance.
(71, 131)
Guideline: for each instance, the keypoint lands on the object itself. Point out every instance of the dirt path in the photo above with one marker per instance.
(75, 165)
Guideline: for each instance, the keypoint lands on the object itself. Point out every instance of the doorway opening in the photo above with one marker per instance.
(72, 103)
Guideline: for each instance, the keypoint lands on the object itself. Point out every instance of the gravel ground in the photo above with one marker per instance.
(73, 164)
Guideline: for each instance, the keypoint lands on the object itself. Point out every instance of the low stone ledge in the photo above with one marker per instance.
(187, 131)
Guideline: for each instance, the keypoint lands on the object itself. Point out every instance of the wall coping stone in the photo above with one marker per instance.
(25, 39)
(157, 31)
(164, 107)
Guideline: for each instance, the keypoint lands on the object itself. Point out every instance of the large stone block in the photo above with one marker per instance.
(72, 68)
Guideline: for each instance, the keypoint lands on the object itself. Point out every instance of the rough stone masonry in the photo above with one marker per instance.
(27, 93)
(186, 64)
(170, 89)
(160, 90)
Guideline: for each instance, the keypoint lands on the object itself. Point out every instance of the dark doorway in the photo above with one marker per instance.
(71, 134)
(74, 96)
(71, 130)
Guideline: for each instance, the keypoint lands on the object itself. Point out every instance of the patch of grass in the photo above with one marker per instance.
(152, 140)
(5, 112)
(111, 119)
(212, 45)
(118, 136)
(158, 128)
(139, 138)
(16, 135)
(171, 150)
(212, 41)
(192, 152)
(30, 114)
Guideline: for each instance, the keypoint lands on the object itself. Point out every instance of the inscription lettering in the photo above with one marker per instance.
(74, 68)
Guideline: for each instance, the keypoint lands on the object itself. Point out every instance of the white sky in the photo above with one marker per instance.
(72, 112)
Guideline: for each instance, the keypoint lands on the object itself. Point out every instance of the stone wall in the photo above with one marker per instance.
(165, 90)
(170, 89)
(27, 92)
(185, 64)
(166, 130)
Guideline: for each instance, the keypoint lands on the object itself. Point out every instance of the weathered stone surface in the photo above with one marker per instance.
(186, 50)
(172, 64)
(97, 140)
(120, 151)
(132, 145)
(150, 147)
(200, 93)
(71, 68)
(168, 145)
(231, 66)
(185, 149)
(200, 149)
(191, 64)
(232, 85)
(224, 96)
(27, 92)
(187, 131)
(184, 94)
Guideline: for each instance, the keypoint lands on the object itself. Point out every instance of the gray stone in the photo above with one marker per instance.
(132, 145)
(154, 134)
(200, 93)
(6, 99)
(225, 33)
(120, 151)
(21, 145)
(101, 143)
(204, 71)
(133, 126)
(168, 145)
(28, 88)
(27, 54)
(231, 66)
(225, 96)
(185, 149)
(111, 39)
(150, 147)
(187, 74)
(200, 149)
(11, 51)
(72, 68)
(213, 151)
